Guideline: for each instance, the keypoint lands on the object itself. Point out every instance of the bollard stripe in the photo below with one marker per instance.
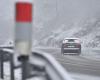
(23, 12)
(23, 39)
(23, 47)
(23, 31)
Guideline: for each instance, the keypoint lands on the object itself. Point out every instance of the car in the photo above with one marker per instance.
(71, 45)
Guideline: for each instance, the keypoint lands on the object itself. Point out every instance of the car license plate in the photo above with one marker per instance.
(71, 46)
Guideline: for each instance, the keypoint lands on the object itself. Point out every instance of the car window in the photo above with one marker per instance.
(71, 40)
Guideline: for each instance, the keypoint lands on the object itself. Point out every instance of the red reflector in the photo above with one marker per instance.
(23, 12)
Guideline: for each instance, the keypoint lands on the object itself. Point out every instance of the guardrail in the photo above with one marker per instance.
(41, 66)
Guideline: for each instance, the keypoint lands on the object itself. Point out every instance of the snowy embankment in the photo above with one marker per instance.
(88, 31)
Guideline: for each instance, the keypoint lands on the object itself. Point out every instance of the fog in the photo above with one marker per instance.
(45, 11)
(71, 9)
(42, 8)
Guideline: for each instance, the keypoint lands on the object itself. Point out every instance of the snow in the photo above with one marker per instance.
(89, 55)
(53, 21)
(77, 76)
(57, 21)
(87, 32)
(7, 72)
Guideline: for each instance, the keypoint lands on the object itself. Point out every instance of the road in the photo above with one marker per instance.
(82, 67)
(87, 63)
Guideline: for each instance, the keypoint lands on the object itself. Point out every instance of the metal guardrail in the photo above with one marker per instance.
(41, 66)
(9, 57)
(53, 68)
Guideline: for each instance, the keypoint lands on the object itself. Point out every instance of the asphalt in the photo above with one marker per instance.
(87, 63)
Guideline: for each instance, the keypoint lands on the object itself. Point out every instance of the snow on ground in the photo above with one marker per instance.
(87, 31)
(89, 54)
(84, 77)
(7, 72)
(75, 76)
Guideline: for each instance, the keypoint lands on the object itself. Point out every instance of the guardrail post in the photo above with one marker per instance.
(24, 66)
(24, 70)
(11, 67)
(1, 64)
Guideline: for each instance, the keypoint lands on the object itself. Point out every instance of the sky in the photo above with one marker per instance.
(43, 7)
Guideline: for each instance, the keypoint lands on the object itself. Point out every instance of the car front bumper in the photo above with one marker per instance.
(71, 50)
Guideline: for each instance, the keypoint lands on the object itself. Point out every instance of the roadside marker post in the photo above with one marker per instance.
(23, 33)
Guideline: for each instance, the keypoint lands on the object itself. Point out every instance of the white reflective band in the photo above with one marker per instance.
(23, 47)
(29, 1)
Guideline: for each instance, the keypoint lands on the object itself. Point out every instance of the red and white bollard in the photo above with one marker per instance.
(23, 34)
(23, 29)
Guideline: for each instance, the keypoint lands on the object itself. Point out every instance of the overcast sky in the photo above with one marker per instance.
(72, 7)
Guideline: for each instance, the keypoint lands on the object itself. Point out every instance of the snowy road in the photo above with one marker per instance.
(82, 67)
(88, 63)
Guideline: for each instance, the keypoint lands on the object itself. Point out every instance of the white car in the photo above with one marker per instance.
(71, 45)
